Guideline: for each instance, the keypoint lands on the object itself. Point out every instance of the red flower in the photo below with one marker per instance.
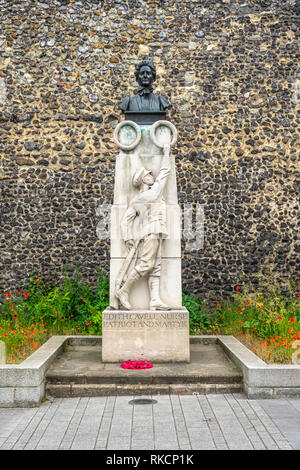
(292, 320)
(37, 280)
(237, 287)
(5, 335)
(298, 295)
(15, 315)
(279, 318)
(87, 323)
(19, 291)
(83, 300)
(27, 294)
(217, 304)
(71, 316)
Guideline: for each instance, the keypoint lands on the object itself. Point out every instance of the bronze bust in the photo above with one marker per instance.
(144, 100)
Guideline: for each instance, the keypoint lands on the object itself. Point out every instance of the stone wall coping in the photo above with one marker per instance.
(31, 372)
(256, 373)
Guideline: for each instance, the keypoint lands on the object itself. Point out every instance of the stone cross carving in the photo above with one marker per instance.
(2, 353)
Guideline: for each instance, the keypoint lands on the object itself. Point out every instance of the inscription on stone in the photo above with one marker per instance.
(148, 320)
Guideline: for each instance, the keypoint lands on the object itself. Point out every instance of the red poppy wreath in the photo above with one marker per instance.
(136, 365)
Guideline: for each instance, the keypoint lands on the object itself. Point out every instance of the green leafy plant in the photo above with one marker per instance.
(197, 313)
(28, 318)
(268, 320)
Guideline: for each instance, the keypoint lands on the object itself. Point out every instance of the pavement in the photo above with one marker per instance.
(174, 422)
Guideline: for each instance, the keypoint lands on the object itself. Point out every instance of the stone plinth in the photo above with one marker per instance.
(156, 336)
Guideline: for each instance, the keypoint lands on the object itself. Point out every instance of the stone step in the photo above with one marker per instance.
(140, 378)
(98, 390)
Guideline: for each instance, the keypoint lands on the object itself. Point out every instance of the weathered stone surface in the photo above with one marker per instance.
(24, 161)
(6, 396)
(230, 72)
(29, 396)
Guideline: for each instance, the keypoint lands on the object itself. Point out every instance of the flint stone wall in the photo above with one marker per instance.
(229, 69)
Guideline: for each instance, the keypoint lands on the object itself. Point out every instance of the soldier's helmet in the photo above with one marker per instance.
(138, 176)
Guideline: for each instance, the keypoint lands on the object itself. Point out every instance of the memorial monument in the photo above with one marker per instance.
(145, 320)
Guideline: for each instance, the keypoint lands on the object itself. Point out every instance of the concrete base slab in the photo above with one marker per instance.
(79, 371)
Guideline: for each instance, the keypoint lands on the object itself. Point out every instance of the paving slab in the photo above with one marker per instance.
(286, 418)
(191, 422)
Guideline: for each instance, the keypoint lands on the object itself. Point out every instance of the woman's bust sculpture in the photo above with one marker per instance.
(144, 100)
